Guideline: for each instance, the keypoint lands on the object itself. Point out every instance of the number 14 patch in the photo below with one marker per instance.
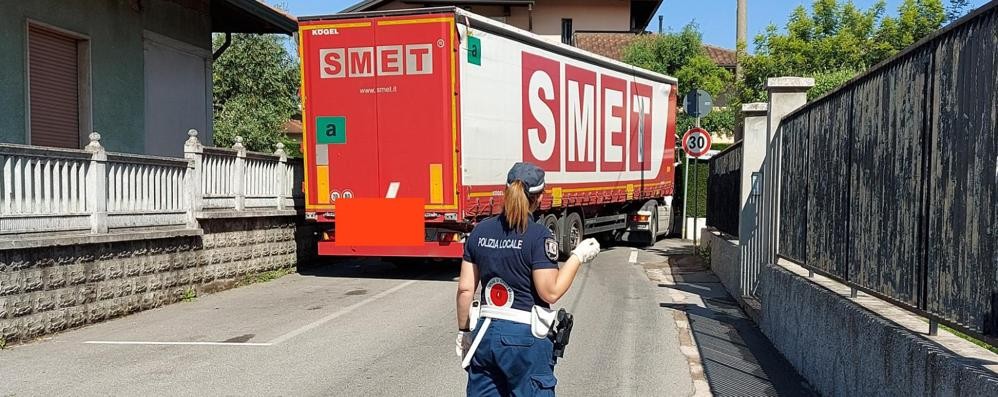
(551, 248)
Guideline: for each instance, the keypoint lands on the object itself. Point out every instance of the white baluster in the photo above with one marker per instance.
(8, 191)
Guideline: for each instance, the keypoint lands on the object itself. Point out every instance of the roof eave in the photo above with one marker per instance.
(275, 20)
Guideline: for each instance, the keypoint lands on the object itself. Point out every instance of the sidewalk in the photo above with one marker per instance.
(724, 346)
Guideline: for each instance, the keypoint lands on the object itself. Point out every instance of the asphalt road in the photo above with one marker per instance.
(360, 327)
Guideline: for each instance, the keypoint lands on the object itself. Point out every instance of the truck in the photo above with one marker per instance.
(438, 103)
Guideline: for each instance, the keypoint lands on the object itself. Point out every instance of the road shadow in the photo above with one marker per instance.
(738, 360)
(383, 268)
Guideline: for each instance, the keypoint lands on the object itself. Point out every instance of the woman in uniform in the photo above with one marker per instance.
(515, 259)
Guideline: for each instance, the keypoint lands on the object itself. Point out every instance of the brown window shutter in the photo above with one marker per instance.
(54, 88)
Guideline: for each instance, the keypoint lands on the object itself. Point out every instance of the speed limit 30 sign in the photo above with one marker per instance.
(696, 142)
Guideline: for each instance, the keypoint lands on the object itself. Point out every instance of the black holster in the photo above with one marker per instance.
(561, 333)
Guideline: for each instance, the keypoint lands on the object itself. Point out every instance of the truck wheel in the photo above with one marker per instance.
(573, 233)
(652, 223)
(551, 223)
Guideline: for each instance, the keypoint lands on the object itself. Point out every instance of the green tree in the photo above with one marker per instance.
(255, 85)
(956, 9)
(682, 56)
(834, 41)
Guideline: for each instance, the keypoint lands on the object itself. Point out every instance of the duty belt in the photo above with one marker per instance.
(538, 318)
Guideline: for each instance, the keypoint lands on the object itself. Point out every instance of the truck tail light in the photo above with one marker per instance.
(640, 218)
(450, 236)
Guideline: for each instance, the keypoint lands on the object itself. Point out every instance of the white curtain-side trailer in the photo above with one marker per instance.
(435, 105)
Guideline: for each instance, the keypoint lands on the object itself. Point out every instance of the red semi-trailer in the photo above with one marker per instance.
(438, 104)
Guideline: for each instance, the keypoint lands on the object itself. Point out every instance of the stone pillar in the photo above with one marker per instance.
(283, 192)
(193, 152)
(97, 185)
(750, 248)
(786, 94)
(239, 176)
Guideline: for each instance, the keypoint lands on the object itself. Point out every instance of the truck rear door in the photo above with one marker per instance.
(379, 109)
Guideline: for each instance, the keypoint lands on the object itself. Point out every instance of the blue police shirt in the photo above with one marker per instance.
(504, 253)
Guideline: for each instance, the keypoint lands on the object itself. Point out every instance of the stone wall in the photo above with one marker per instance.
(50, 289)
(724, 260)
(848, 347)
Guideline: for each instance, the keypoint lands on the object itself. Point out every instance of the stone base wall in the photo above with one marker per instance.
(50, 289)
(845, 349)
(724, 260)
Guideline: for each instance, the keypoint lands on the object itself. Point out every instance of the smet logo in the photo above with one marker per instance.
(389, 60)
(601, 129)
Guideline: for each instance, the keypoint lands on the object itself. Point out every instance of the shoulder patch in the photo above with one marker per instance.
(551, 248)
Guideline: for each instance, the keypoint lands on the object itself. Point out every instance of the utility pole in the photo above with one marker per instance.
(741, 37)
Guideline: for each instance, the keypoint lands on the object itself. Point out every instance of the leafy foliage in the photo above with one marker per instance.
(834, 41)
(682, 56)
(255, 92)
(956, 9)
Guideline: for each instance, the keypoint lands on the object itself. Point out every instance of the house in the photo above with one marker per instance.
(137, 71)
(611, 45)
(557, 20)
(602, 27)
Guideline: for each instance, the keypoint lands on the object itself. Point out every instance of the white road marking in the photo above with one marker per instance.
(633, 258)
(393, 189)
(113, 342)
(333, 316)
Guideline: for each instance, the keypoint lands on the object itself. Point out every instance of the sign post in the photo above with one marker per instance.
(696, 143)
(697, 103)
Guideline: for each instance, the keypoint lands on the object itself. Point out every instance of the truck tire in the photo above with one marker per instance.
(550, 221)
(572, 233)
(652, 237)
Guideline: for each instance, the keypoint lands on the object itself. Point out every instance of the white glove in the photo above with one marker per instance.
(463, 343)
(586, 250)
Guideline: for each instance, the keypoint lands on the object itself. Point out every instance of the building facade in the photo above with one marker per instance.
(137, 71)
(556, 20)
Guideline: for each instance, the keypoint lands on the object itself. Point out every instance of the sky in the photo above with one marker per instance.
(715, 17)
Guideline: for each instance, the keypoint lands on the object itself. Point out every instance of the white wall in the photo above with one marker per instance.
(177, 94)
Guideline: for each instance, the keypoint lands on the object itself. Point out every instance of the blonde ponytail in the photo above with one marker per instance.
(516, 206)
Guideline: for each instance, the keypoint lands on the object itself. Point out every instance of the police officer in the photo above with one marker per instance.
(515, 259)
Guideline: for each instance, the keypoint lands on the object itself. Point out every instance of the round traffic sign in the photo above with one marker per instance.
(696, 142)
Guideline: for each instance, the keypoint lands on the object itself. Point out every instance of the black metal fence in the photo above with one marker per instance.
(891, 182)
(724, 189)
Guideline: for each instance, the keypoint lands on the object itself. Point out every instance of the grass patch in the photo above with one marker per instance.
(190, 294)
(265, 276)
(3, 343)
(971, 339)
(703, 251)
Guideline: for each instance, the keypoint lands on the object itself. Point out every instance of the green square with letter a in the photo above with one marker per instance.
(330, 130)
(474, 50)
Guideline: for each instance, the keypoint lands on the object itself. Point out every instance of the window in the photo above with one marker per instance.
(566, 31)
(58, 88)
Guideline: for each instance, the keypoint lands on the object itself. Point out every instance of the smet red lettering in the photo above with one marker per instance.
(606, 120)
(541, 111)
(389, 60)
(640, 131)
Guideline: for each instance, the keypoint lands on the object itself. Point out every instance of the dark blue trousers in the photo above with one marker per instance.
(510, 361)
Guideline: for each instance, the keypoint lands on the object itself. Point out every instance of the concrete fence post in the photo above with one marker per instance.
(239, 174)
(754, 143)
(193, 152)
(786, 94)
(97, 185)
(282, 176)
